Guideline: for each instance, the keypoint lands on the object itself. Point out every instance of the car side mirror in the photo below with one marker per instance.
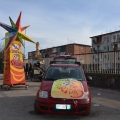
(88, 78)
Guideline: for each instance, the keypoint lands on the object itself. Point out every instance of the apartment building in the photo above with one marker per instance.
(105, 49)
(68, 49)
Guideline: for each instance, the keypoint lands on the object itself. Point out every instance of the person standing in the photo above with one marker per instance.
(30, 70)
(26, 71)
(41, 72)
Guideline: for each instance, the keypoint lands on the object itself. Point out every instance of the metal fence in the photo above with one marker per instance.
(101, 62)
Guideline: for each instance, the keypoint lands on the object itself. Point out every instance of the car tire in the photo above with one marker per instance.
(35, 108)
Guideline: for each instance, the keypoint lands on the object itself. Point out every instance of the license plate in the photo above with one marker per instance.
(63, 106)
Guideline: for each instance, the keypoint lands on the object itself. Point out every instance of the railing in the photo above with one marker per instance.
(101, 62)
(93, 68)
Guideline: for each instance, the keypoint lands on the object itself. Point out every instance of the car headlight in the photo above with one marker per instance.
(43, 94)
(85, 95)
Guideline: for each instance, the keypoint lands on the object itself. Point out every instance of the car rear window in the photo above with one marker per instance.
(65, 60)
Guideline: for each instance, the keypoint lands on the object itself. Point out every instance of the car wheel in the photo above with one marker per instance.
(35, 108)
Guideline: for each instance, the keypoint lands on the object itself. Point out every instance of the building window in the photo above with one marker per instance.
(105, 48)
(93, 57)
(104, 39)
(82, 47)
(94, 50)
(108, 57)
(118, 37)
(94, 41)
(108, 48)
(104, 56)
(70, 46)
(108, 39)
(114, 37)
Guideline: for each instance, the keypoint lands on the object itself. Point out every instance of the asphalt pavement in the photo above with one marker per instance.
(18, 104)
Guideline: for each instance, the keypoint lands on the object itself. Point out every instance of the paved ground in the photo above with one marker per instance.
(17, 104)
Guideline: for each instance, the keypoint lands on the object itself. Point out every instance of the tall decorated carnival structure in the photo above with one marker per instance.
(13, 57)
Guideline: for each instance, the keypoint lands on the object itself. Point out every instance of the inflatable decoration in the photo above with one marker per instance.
(13, 58)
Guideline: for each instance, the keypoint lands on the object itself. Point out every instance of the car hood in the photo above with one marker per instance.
(64, 92)
(46, 86)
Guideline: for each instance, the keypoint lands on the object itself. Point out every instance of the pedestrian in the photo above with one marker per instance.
(41, 72)
(26, 71)
(30, 70)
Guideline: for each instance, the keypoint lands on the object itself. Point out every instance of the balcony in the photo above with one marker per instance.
(97, 40)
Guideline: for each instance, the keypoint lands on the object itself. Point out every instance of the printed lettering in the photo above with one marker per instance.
(63, 89)
(71, 91)
(75, 92)
(59, 86)
(17, 64)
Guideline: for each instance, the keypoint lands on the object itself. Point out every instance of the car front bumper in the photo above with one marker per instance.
(76, 107)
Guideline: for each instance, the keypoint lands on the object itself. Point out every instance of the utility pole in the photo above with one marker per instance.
(24, 46)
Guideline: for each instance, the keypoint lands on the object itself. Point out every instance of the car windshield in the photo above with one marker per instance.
(62, 72)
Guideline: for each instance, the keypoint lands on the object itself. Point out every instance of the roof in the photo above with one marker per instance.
(106, 34)
(72, 44)
(65, 56)
(77, 44)
(64, 45)
(62, 65)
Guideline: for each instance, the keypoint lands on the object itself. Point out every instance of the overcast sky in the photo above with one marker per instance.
(59, 22)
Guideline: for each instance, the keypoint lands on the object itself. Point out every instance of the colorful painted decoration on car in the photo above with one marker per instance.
(67, 88)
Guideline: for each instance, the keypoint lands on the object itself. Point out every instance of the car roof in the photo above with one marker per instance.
(63, 65)
(65, 56)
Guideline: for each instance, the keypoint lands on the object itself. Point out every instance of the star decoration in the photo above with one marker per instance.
(15, 32)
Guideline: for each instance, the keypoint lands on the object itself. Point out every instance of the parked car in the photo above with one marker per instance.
(63, 90)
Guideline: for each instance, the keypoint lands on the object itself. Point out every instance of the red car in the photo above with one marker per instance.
(64, 90)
